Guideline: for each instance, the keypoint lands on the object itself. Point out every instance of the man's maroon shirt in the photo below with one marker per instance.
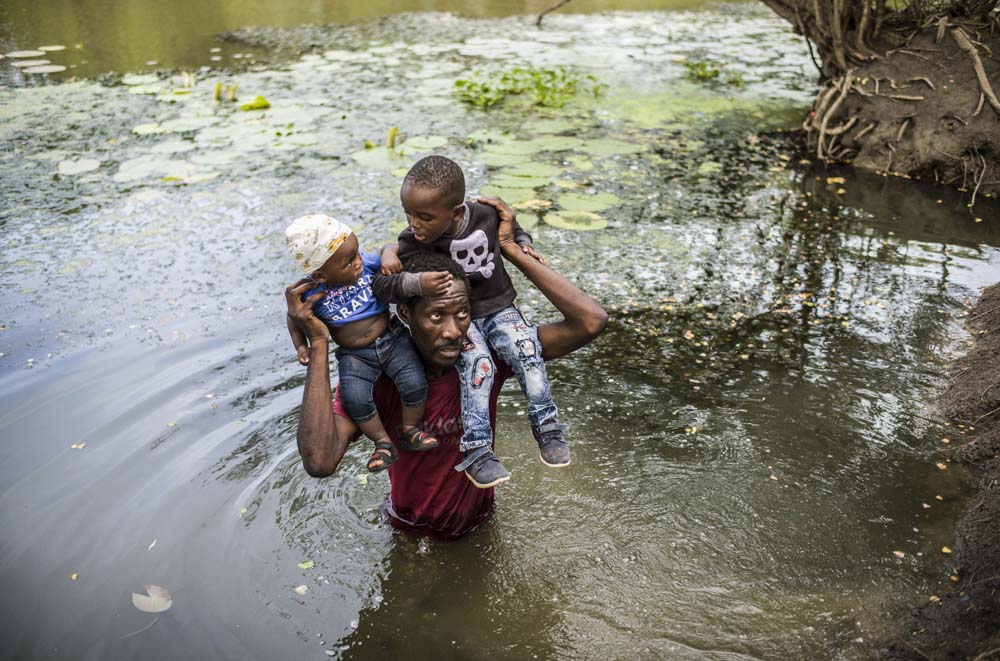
(427, 495)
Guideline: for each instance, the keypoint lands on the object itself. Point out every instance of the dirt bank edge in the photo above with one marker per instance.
(965, 623)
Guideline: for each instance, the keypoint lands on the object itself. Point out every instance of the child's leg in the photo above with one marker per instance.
(358, 370)
(516, 341)
(476, 375)
(402, 363)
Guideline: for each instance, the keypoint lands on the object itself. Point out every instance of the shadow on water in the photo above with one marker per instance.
(753, 437)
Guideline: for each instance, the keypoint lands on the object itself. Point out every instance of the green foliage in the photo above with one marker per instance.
(710, 71)
(551, 88)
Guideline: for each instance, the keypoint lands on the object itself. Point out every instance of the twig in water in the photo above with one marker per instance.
(538, 22)
(129, 635)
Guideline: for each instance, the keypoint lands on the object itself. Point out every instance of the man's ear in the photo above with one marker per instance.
(403, 312)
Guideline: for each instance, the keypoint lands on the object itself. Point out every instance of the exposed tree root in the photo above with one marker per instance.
(963, 41)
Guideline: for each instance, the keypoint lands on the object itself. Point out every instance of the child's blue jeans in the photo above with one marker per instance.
(392, 352)
(516, 342)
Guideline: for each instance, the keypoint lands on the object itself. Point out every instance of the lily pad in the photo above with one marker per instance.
(580, 221)
(510, 181)
(608, 147)
(26, 53)
(527, 221)
(557, 143)
(51, 49)
(30, 63)
(504, 160)
(487, 136)
(426, 142)
(380, 158)
(45, 68)
(512, 196)
(584, 202)
(78, 167)
(140, 79)
(156, 600)
(148, 129)
(533, 170)
(514, 148)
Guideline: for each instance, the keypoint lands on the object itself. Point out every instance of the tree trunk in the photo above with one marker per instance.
(910, 91)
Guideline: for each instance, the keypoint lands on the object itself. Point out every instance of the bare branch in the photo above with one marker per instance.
(538, 21)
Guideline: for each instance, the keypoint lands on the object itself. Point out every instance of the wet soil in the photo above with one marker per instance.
(965, 622)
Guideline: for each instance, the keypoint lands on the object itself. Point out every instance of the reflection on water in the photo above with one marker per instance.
(752, 437)
(136, 35)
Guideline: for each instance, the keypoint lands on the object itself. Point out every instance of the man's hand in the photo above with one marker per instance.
(303, 326)
(506, 229)
(390, 260)
(434, 283)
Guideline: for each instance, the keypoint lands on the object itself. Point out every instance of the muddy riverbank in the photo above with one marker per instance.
(964, 622)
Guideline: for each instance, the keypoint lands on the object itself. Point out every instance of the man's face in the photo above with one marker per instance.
(428, 212)
(438, 325)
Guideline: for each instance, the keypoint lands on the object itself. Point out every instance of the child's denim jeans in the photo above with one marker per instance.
(516, 342)
(392, 352)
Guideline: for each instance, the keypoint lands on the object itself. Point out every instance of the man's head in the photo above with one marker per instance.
(437, 323)
(432, 196)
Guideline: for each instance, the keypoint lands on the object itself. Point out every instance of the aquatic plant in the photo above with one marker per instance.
(551, 88)
(708, 71)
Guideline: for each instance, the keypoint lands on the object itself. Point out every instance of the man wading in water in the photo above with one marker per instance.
(427, 496)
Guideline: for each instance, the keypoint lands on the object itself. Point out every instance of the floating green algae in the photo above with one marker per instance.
(381, 158)
(557, 143)
(487, 136)
(609, 147)
(708, 168)
(550, 126)
(579, 221)
(587, 203)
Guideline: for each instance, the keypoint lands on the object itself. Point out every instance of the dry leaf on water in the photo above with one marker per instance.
(156, 600)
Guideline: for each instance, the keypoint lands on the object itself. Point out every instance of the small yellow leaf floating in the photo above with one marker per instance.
(946, 440)
(945, 549)
(171, 424)
(306, 564)
(243, 511)
(78, 446)
(899, 554)
(942, 467)
(363, 479)
(301, 590)
(938, 498)
(953, 578)
(926, 506)
(934, 599)
(688, 335)
(156, 600)
(774, 477)
(836, 180)
(260, 103)
(74, 576)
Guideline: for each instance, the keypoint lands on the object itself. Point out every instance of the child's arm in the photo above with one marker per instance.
(390, 259)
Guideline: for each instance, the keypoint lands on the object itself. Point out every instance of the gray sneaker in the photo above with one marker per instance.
(483, 468)
(552, 447)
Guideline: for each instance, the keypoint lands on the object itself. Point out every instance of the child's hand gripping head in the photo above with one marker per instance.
(325, 250)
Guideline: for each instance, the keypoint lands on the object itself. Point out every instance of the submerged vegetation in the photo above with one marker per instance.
(708, 71)
(551, 88)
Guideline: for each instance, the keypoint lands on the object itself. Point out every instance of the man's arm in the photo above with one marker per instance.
(583, 318)
(322, 436)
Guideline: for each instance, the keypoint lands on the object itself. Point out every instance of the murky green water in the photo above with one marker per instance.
(753, 437)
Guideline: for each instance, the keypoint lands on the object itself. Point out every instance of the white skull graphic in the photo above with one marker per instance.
(473, 253)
